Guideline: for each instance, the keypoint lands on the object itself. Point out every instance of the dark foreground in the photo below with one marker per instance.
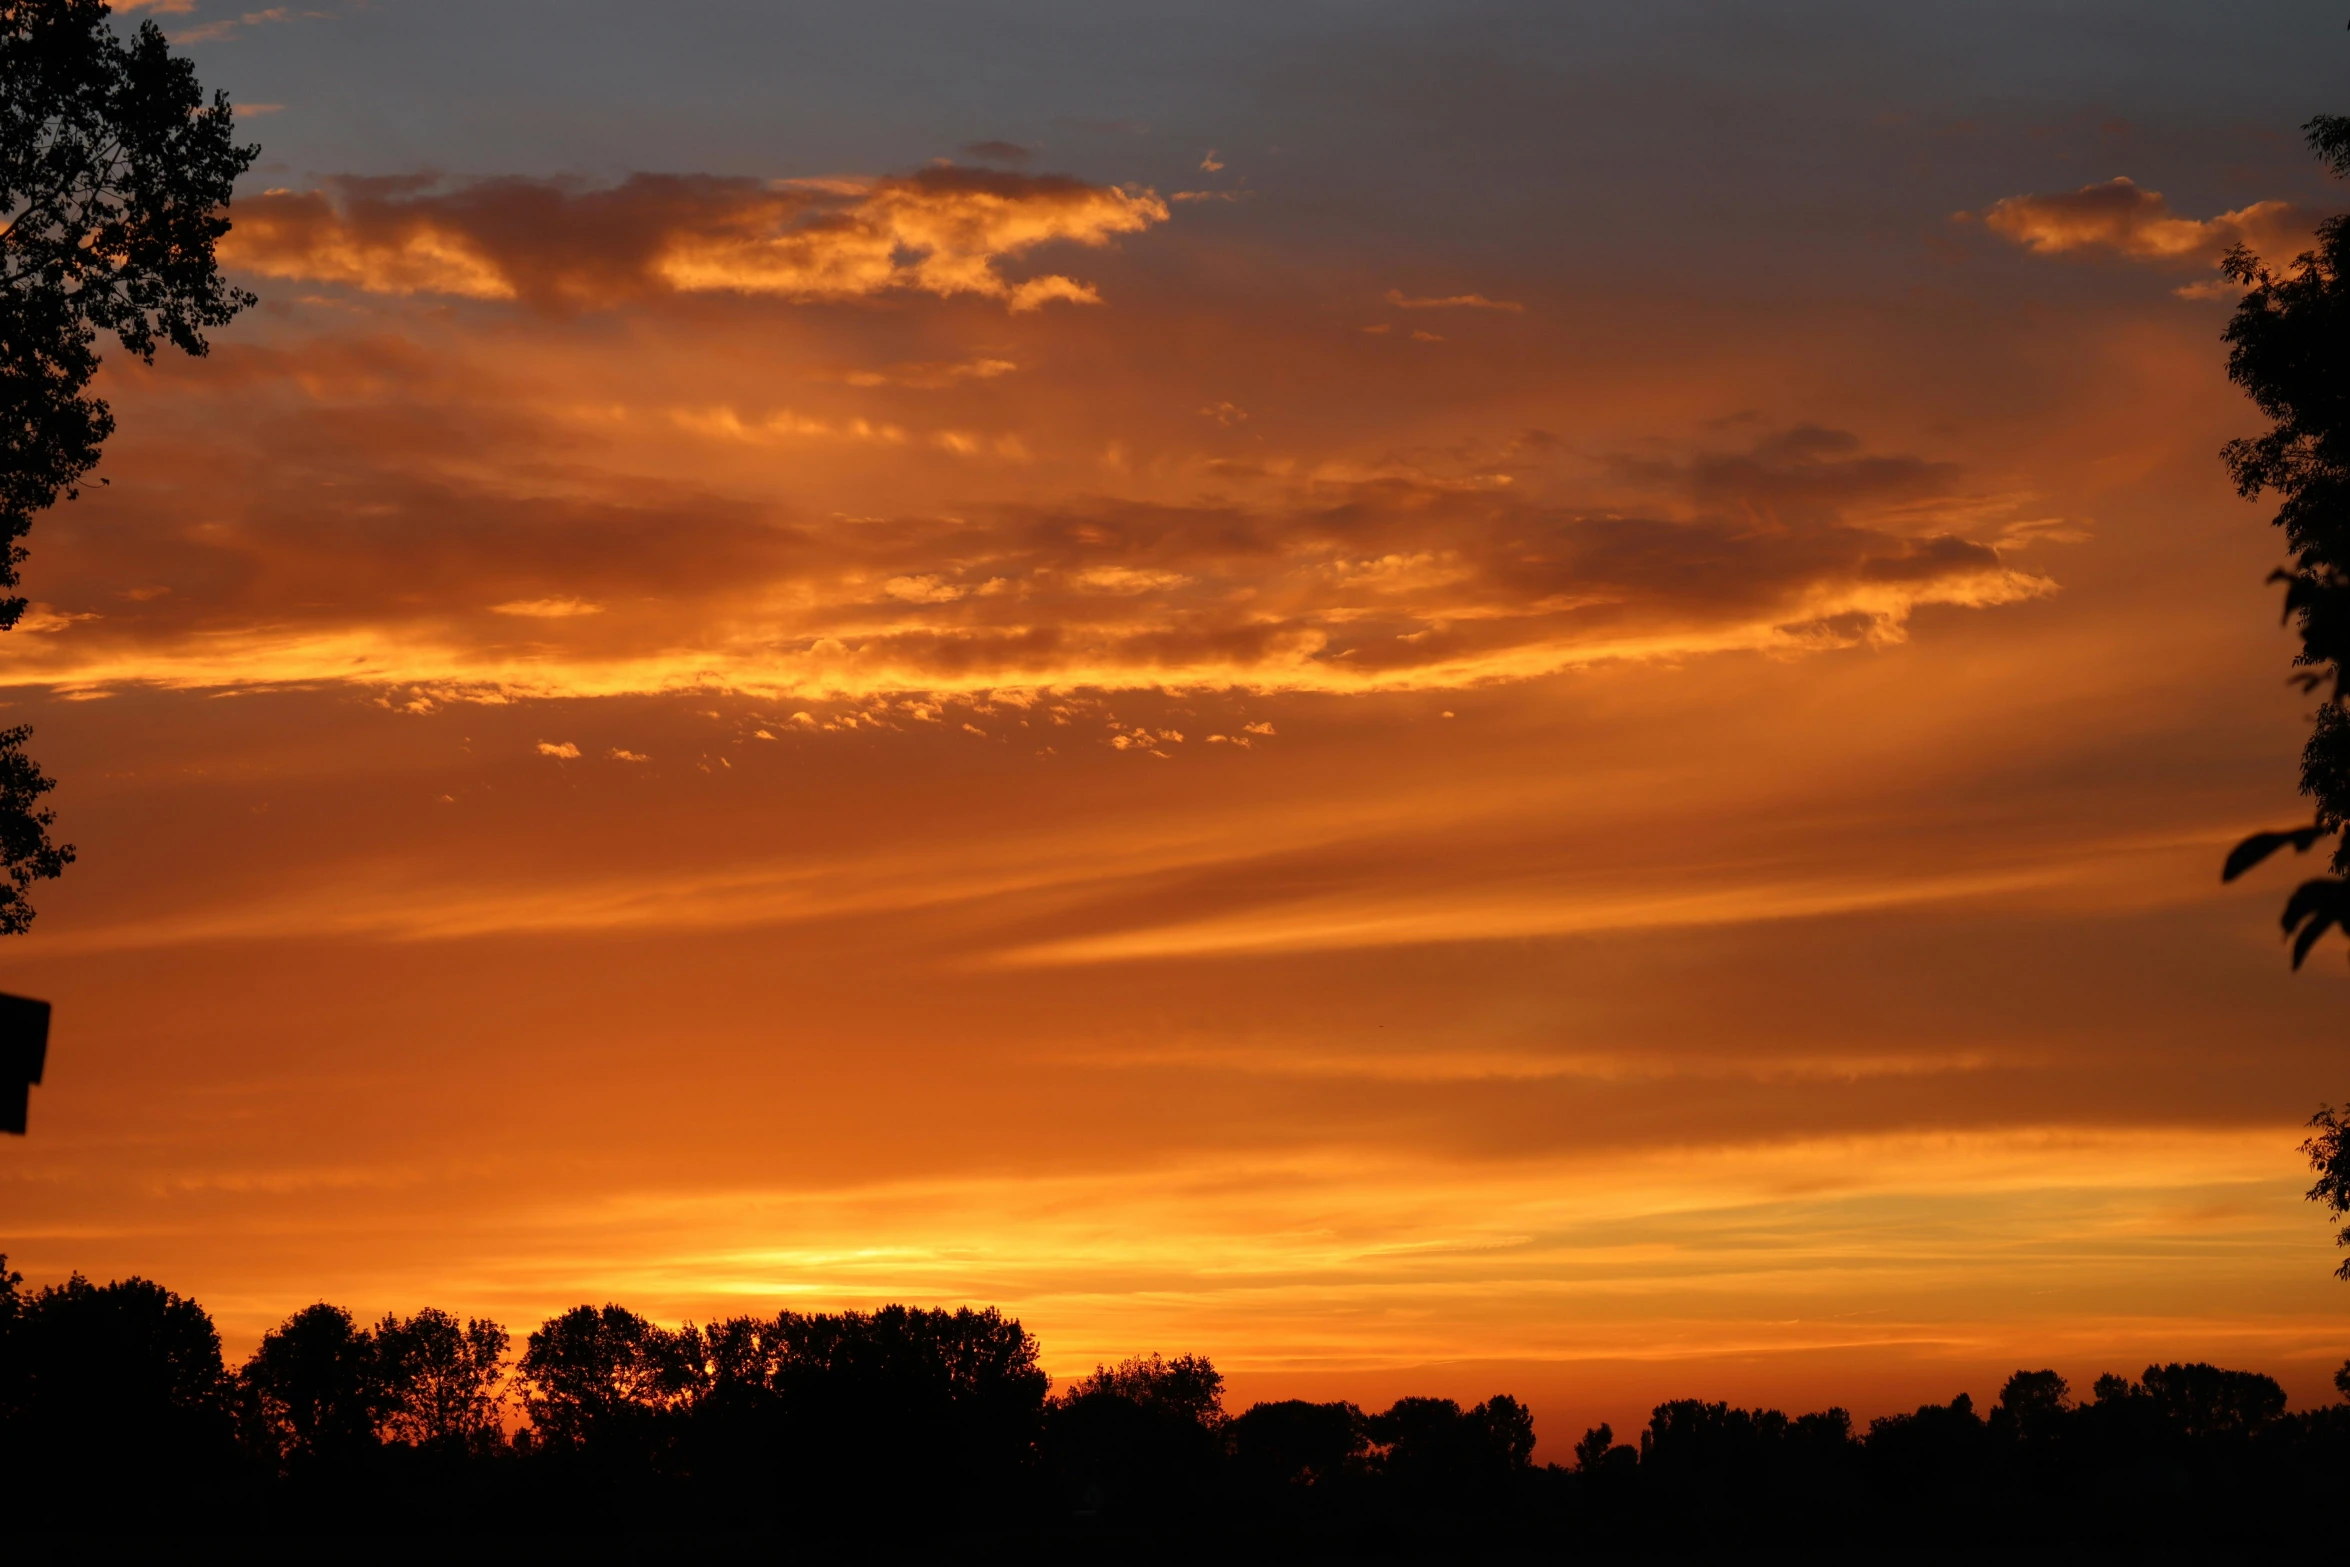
(934, 1433)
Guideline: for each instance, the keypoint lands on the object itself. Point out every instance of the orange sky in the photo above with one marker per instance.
(1348, 751)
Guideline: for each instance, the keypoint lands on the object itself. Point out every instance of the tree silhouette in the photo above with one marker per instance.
(2328, 1151)
(1293, 1443)
(113, 175)
(439, 1381)
(316, 1386)
(941, 1408)
(115, 1408)
(1138, 1441)
(1442, 1454)
(2199, 1400)
(601, 1373)
(2032, 1406)
(2289, 349)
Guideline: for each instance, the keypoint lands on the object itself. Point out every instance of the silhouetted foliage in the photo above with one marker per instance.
(601, 1374)
(2031, 1406)
(115, 1409)
(1282, 1446)
(114, 175)
(919, 1416)
(315, 1387)
(2199, 1401)
(1435, 1452)
(2289, 349)
(1599, 1453)
(2329, 1155)
(1712, 1463)
(930, 1434)
(1138, 1441)
(439, 1382)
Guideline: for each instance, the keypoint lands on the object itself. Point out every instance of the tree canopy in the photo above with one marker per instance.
(115, 174)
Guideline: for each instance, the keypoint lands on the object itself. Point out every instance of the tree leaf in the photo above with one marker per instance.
(2261, 845)
(2322, 902)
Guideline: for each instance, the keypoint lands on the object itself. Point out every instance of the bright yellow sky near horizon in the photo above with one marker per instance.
(1523, 702)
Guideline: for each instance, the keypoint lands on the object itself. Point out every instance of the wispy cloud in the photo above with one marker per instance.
(228, 27)
(547, 609)
(1403, 301)
(998, 151)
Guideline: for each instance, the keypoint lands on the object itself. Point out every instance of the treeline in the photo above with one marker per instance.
(914, 1428)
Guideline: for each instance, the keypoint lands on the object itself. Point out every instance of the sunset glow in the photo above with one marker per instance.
(1435, 700)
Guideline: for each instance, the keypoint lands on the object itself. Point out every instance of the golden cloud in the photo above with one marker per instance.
(941, 231)
(371, 546)
(2122, 218)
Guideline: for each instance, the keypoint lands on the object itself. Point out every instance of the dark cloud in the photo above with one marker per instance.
(1801, 474)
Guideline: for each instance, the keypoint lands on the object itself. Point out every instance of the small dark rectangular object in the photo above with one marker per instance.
(24, 1052)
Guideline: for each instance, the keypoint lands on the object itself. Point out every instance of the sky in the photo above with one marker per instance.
(1436, 699)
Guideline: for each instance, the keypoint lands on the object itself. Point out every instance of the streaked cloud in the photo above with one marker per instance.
(229, 26)
(1403, 301)
(933, 376)
(547, 609)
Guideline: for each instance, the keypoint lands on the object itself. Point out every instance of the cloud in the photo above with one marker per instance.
(999, 151)
(397, 536)
(2121, 218)
(943, 231)
(547, 609)
(926, 589)
(563, 751)
(227, 27)
(933, 376)
(1402, 301)
(1129, 579)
